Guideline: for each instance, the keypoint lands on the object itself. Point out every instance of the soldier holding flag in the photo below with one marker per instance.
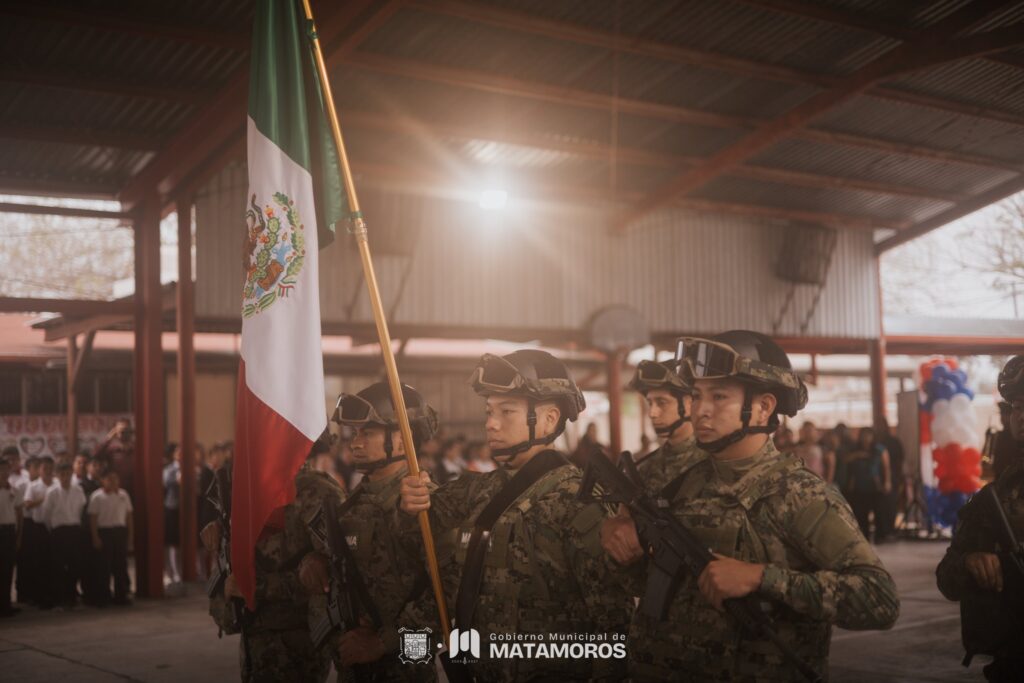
(395, 580)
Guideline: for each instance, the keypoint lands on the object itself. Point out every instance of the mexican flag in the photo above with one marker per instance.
(295, 197)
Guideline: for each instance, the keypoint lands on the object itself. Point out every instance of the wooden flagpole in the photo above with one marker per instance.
(359, 232)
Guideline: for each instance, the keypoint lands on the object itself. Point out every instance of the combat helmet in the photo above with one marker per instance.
(755, 361)
(653, 375)
(1011, 379)
(536, 376)
(372, 406)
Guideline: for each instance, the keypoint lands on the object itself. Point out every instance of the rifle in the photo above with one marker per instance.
(675, 549)
(221, 501)
(1011, 549)
(348, 595)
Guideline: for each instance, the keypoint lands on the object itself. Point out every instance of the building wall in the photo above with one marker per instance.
(544, 268)
(215, 408)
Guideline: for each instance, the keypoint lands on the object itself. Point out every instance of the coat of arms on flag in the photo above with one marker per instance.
(414, 645)
(275, 247)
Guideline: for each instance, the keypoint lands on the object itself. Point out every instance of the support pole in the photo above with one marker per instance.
(359, 231)
(187, 391)
(72, 403)
(614, 374)
(136, 486)
(149, 404)
(877, 354)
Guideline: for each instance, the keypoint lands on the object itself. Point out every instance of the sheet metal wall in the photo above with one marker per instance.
(547, 268)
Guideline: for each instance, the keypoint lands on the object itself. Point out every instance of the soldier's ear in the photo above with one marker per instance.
(763, 405)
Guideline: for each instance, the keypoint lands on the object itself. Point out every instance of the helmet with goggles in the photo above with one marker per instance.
(372, 407)
(1011, 379)
(653, 375)
(536, 376)
(753, 360)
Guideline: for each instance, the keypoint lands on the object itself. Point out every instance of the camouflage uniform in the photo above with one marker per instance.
(395, 578)
(819, 570)
(544, 570)
(985, 613)
(276, 645)
(666, 463)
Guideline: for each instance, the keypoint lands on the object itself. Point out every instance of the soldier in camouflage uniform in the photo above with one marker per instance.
(275, 643)
(977, 571)
(529, 552)
(395, 578)
(668, 403)
(777, 530)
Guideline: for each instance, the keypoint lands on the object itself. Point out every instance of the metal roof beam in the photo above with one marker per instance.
(566, 31)
(504, 85)
(67, 79)
(11, 304)
(934, 46)
(448, 184)
(56, 187)
(147, 25)
(66, 211)
(68, 135)
(841, 17)
(994, 195)
(419, 129)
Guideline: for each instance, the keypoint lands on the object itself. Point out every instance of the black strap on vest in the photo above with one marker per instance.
(473, 572)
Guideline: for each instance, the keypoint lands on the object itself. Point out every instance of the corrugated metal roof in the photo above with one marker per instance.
(830, 39)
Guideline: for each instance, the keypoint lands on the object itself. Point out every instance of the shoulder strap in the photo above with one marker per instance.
(473, 572)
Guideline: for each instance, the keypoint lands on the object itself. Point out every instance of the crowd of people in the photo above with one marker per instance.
(65, 529)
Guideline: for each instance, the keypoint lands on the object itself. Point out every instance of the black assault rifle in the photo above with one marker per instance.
(675, 550)
(348, 597)
(1012, 551)
(219, 496)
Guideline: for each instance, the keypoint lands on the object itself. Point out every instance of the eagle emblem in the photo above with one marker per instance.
(274, 250)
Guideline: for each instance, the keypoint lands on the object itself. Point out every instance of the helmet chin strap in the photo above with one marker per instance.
(719, 445)
(388, 458)
(505, 456)
(671, 429)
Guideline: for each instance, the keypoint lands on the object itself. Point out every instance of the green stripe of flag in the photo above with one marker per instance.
(286, 102)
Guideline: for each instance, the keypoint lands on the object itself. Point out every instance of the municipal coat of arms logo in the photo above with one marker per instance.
(274, 250)
(414, 645)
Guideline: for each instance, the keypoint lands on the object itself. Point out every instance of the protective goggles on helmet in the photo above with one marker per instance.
(355, 410)
(709, 359)
(494, 373)
(650, 372)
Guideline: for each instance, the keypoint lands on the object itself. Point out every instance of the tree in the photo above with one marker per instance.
(71, 258)
(997, 248)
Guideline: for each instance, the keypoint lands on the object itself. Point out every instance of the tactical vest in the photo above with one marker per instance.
(699, 642)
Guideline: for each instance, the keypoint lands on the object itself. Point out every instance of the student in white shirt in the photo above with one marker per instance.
(10, 536)
(17, 476)
(110, 524)
(36, 538)
(62, 514)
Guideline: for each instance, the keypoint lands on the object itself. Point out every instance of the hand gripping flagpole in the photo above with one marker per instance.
(358, 230)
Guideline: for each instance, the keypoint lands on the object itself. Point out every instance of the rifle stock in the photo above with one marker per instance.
(675, 549)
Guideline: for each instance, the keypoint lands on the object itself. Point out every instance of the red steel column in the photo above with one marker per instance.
(614, 373)
(72, 403)
(137, 488)
(187, 390)
(152, 438)
(877, 354)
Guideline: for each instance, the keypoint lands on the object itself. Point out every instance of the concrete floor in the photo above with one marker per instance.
(174, 639)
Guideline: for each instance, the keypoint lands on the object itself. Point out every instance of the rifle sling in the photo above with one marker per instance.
(356, 588)
(473, 572)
